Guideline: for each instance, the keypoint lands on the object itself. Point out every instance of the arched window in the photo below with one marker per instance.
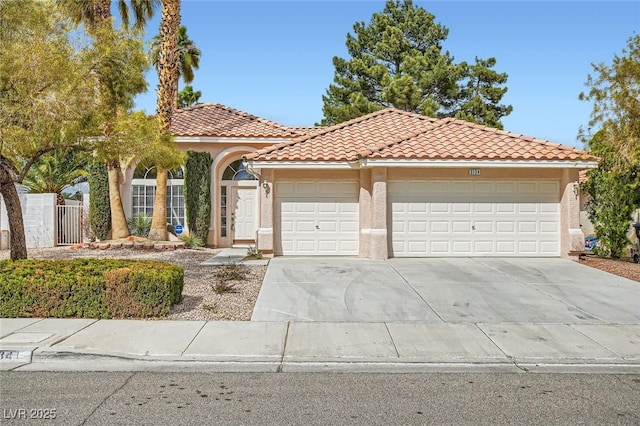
(149, 172)
(237, 171)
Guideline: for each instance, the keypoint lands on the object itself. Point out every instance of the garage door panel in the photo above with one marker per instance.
(549, 247)
(494, 219)
(317, 218)
(549, 226)
(438, 227)
(506, 248)
(436, 208)
(301, 226)
(481, 208)
(461, 208)
(461, 227)
(417, 226)
(525, 226)
(503, 227)
(528, 247)
(439, 247)
(483, 247)
(462, 247)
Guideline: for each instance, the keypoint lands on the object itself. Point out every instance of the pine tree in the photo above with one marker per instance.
(397, 60)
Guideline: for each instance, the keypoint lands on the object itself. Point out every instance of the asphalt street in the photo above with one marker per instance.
(307, 398)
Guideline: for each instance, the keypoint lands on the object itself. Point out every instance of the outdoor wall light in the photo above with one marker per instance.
(266, 187)
(576, 189)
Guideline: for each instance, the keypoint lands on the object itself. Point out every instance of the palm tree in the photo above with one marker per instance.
(168, 75)
(189, 56)
(188, 97)
(96, 15)
(56, 171)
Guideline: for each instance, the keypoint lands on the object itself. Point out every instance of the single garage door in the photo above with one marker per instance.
(317, 218)
(474, 218)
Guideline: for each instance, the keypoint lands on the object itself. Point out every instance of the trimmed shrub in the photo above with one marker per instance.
(89, 288)
(139, 225)
(191, 241)
(99, 207)
(197, 193)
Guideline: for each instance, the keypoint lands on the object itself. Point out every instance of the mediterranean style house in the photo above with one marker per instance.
(388, 184)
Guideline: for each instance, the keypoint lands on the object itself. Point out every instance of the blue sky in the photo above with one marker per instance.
(273, 59)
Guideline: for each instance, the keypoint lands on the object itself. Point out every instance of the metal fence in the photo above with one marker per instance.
(69, 224)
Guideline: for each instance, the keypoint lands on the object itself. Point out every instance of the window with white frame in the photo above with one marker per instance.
(144, 193)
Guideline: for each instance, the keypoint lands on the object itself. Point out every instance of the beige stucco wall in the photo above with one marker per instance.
(373, 203)
(223, 154)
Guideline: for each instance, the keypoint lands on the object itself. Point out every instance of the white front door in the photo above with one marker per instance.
(474, 218)
(243, 219)
(317, 218)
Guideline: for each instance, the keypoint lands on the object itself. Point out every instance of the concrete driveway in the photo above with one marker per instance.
(450, 290)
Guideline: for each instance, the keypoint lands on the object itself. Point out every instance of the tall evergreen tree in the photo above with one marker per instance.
(481, 94)
(397, 60)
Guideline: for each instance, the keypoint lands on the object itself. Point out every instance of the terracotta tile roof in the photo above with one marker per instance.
(221, 121)
(345, 141)
(451, 138)
(396, 134)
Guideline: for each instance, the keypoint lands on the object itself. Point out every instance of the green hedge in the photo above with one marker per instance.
(88, 288)
(197, 193)
(99, 206)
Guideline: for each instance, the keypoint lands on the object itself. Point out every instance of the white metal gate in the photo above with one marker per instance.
(69, 225)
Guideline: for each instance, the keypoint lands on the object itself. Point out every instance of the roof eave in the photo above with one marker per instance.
(403, 162)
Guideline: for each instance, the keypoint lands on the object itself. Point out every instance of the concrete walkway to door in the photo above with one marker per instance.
(445, 290)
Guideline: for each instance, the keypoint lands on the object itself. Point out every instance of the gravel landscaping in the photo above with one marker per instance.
(623, 267)
(200, 301)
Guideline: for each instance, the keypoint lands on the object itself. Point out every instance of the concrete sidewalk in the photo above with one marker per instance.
(107, 345)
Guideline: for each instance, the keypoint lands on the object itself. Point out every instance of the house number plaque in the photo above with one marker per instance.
(474, 172)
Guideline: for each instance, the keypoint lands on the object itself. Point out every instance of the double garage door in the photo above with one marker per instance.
(426, 218)
(474, 218)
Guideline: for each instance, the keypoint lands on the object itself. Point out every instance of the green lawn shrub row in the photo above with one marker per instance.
(89, 288)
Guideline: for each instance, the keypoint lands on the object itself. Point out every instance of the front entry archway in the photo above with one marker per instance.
(238, 205)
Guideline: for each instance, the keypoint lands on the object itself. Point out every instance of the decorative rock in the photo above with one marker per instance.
(170, 247)
(138, 246)
(128, 244)
(103, 246)
(158, 246)
(148, 246)
(116, 245)
(180, 245)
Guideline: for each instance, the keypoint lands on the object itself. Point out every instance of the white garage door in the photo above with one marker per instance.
(317, 218)
(474, 218)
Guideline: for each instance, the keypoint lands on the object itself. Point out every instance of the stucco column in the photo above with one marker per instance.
(379, 246)
(571, 236)
(365, 212)
(264, 239)
(212, 238)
